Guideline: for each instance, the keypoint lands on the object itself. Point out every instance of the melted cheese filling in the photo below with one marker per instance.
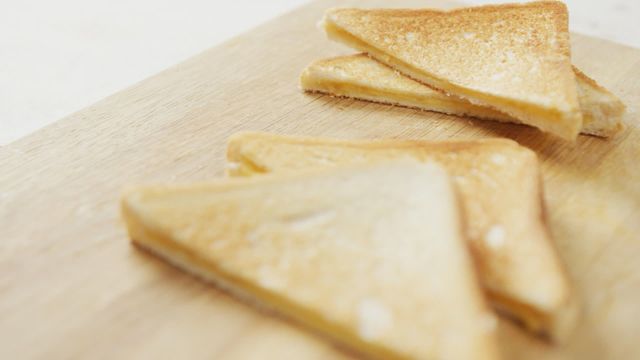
(433, 102)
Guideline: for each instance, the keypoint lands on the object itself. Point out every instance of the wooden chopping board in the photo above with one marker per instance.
(71, 286)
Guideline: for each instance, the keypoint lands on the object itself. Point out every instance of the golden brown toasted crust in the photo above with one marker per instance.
(514, 58)
(500, 186)
(361, 77)
(335, 258)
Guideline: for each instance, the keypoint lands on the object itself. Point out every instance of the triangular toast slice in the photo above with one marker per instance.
(501, 193)
(370, 256)
(514, 58)
(361, 77)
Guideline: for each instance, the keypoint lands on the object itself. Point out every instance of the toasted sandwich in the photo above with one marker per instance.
(514, 58)
(361, 77)
(501, 193)
(371, 256)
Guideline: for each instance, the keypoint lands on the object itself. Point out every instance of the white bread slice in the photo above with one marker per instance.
(370, 256)
(501, 192)
(514, 57)
(361, 77)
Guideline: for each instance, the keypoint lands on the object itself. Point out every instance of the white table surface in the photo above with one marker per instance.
(57, 57)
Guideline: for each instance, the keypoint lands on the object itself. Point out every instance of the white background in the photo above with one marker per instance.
(57, 57)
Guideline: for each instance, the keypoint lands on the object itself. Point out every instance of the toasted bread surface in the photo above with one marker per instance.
(388, 275)
(514, 58)
(501, 193)
(361, 77)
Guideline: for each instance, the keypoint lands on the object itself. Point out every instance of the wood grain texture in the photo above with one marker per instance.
(71, 285)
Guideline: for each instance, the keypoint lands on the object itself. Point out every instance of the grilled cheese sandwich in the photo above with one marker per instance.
(387, 275)
(512, 58)
(501, 195)
(361, 77)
